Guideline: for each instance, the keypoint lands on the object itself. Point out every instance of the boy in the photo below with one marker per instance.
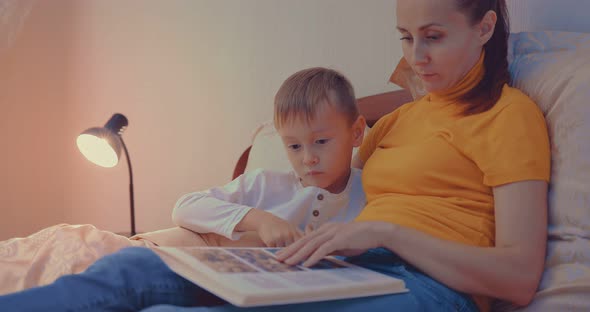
(318, 120)
(315, 114)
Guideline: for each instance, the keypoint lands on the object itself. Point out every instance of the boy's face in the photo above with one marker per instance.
(320, 150)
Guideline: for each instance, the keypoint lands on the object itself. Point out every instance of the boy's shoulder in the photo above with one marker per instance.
(356, 173)
(281, 177)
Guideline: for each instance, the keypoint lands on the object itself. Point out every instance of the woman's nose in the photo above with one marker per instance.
(420, 54)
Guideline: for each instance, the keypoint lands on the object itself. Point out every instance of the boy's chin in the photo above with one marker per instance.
(307, 183)
(314, 182)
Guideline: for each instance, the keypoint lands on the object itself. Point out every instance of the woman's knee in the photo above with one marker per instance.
(128, 259)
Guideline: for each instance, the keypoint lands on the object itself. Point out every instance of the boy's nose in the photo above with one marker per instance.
(310, 159)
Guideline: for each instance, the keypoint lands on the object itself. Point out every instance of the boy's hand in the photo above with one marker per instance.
(276, 232)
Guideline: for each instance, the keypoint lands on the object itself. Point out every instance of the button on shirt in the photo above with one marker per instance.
(219, 210)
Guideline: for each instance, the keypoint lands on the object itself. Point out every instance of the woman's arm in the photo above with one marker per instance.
(511, 270)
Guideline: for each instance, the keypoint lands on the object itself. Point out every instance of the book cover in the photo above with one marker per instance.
(249, 277)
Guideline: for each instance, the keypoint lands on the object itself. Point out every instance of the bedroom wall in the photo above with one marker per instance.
(193, 77)
(34, 104)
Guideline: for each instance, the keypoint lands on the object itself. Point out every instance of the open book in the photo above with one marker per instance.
(253, 277)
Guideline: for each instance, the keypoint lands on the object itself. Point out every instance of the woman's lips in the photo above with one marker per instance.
(427, 77)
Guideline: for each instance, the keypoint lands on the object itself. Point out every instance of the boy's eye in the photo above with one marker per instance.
(294, 146)
(433, 38)
(405, 38)
(321, 141)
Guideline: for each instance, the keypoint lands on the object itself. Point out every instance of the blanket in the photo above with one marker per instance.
(42, 257)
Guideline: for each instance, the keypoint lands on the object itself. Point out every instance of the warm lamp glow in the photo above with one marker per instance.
(97, 150)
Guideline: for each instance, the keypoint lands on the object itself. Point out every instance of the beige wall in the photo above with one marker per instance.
(193, 77)
(34, 105)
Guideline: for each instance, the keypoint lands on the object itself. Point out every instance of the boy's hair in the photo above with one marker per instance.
(302, 93)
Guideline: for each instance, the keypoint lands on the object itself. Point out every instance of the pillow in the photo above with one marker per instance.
(268, 151)
(553, 68)
(404, 76)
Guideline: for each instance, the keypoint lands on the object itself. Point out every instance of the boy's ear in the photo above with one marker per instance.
(358, 131)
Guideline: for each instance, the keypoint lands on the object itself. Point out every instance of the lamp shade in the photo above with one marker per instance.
(102, 146)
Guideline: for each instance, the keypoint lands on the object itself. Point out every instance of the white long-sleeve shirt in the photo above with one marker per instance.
(220, 209)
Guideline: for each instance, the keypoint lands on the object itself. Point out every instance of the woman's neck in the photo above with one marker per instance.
(468, 82)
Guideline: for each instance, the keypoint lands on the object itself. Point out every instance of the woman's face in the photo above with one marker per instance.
(438, 41)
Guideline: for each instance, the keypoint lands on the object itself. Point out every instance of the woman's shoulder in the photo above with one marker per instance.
(514, 100)
(513, 105)
(513, 112)
(390, 118)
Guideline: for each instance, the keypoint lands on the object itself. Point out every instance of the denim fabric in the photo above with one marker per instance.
(128, 280)
(135, 278)
(425, 293)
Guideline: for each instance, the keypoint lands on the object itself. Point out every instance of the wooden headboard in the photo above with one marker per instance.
(372, 107)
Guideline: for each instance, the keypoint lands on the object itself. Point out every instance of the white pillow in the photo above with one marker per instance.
(553, 68)
(268, 151)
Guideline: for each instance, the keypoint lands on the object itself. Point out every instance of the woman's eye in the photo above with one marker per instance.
(405, 38)
(322, 141)
(433, 38)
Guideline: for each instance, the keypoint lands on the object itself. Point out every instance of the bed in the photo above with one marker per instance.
(552, 66)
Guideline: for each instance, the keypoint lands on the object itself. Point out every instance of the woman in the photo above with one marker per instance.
(472, 157)
(456, 184)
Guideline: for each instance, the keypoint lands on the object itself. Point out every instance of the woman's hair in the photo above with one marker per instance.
(487, 92)
(304, 93)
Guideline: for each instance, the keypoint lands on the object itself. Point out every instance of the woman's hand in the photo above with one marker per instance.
(345, 239)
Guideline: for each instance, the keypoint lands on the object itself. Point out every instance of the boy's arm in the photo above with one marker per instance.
(220, 209)
(272, 230)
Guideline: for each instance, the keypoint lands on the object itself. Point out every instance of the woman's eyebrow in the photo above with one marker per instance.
(421, 27)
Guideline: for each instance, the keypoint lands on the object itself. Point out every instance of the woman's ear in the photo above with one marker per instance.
(358, 131)
(487, 26)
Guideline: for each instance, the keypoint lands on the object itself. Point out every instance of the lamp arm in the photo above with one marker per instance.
(131, 195)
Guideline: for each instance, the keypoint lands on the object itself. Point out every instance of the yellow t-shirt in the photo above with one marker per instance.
(429, 168)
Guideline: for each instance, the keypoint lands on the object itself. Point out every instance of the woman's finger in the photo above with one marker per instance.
(294, 247)
(309, 247)
(295, 237)
(325, 249)
(290, 250)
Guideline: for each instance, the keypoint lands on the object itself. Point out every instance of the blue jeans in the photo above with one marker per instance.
(135, 278)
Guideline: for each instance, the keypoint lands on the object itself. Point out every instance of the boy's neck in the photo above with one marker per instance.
(341, 184)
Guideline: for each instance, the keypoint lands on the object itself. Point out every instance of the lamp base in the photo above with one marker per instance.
(126, 234)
